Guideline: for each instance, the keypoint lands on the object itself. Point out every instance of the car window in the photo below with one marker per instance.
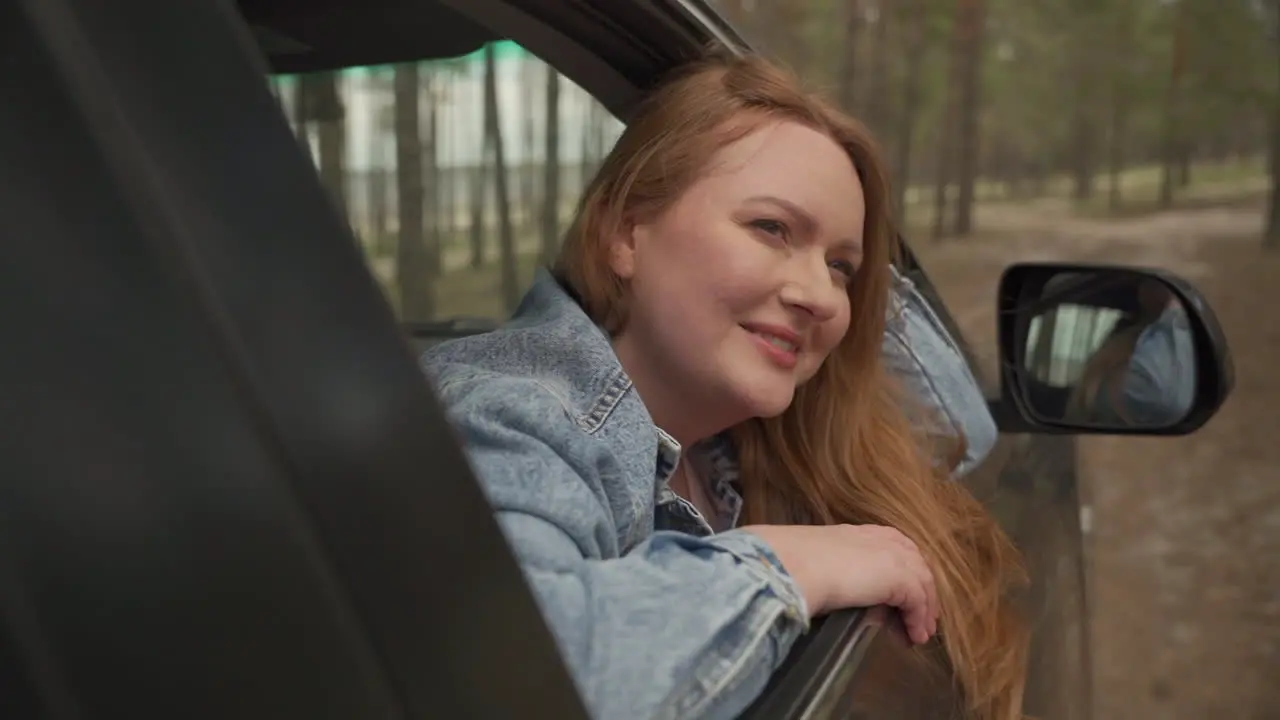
(1058, 357)
(454, 175)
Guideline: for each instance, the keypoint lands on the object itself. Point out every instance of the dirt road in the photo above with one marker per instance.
(1185, 551)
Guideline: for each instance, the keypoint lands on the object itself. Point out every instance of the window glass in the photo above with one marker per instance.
(457, 176)
(1078, 330)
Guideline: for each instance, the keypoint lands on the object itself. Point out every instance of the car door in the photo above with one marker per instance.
(1030, 483)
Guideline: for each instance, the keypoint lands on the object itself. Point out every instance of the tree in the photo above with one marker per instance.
(1271, 237)
(847, 77)
(321, 107)
(972, 19)
(413, 271)
(1171, 133)
(528, 166)
(946, 132)
(551, 170)
(1122, 38)
(912, 87)
(479, 181)
(493, 130)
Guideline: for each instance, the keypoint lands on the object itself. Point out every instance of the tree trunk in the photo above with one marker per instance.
(379, 206)
(974, 24)
(847, 77)
(412, 274)
(875, 104)
(1171, 130)
(588, 125)
(942, 181)
(1118, 132)
(479, 184)
(909, 113)
(1082, 136)
(781, 25)
(551, 170)
(528, 168)
(1186, 154)
(1271, 236)
(506, 234)
(947, 125)
(431, 175)
(446, 170)
(1087, 27)
(1116, 152)
(326, 111)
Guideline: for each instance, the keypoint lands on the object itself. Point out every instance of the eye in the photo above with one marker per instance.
(776, 228)
(844, 269)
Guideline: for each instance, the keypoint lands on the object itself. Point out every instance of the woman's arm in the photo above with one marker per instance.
(929, 363)
(676, 626)
(1160, 382)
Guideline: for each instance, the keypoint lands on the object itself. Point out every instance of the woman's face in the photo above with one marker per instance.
(739, 290)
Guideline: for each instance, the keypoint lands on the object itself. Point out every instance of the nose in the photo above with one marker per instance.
(809, 288)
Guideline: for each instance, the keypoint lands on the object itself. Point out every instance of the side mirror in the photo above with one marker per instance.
(1107, 350)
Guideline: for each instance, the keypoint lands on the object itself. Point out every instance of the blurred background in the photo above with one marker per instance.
(1131, 131)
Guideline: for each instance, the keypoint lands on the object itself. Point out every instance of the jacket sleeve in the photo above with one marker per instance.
(678, 626)
(918, 351)
(1160, 384)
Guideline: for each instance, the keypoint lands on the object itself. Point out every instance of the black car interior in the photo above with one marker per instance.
(299, 36)
(311, 35)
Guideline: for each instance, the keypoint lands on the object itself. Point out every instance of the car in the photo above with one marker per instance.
(229, 489)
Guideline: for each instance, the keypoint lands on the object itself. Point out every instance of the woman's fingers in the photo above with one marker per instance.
(921, 568)
(917, 612)
(935, 606)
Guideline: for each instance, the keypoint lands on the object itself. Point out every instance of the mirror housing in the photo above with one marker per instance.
(1107, 350)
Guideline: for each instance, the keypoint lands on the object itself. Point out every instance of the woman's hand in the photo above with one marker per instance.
(841, 566)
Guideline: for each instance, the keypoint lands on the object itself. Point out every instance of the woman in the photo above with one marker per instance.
(686, 430)
(1144, 373)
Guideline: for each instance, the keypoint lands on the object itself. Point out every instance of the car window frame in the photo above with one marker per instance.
(675, 30)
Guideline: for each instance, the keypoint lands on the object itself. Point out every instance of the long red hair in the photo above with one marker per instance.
(845, 451)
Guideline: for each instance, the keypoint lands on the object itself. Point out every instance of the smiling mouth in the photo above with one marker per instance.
(784, 345)
(780, 344)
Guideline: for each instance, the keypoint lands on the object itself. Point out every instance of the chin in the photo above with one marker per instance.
(766, 400)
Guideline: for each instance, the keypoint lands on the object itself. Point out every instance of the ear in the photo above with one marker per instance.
(623, 245)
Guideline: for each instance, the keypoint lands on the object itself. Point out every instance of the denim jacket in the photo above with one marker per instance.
(656, 614)
(925, 358)
(1160, 381)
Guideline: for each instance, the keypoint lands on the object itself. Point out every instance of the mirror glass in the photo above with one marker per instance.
(1108, 348)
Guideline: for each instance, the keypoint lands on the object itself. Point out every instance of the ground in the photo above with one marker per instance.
(1185, 532)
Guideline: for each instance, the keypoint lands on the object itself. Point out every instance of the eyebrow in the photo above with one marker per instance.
(804, 217)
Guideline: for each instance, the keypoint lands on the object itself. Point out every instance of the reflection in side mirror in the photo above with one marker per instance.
(1110, 349)
(1098, 349)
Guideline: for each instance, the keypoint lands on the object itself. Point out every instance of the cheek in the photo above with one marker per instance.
(714, 263)
(834, 330)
